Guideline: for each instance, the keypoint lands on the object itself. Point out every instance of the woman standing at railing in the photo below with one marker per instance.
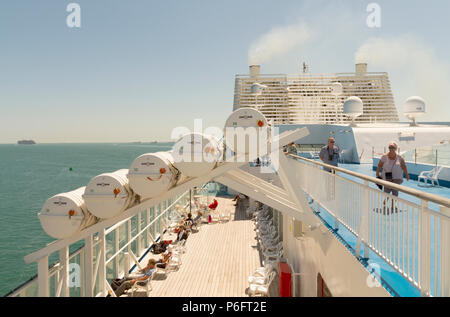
(393, 168)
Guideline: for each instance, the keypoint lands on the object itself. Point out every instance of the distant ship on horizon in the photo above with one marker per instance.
(26, 142)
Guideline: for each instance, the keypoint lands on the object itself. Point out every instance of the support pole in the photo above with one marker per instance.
(445, 252)
(425, 273)
(64, 273)
(88, 264)
(43, 289)
(363, 232)
(102, 266)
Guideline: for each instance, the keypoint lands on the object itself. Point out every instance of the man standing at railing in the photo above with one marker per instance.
(329, 154)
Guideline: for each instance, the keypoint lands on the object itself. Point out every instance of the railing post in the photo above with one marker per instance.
(64, 273)
(138, 243)
(102, 265)
(82, 277)
(116, 249)
(436, 157)
(424, 249)
(43, 289)
(88, 265)
(126, 264)
(363, 232)
(129, 234)
(334, 196)
(445, 251)
(148, 229)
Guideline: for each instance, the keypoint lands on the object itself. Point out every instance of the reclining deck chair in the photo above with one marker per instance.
(146, 285)
(431, 176)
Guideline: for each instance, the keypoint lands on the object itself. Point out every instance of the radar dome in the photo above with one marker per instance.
(257, 88)
(414, 106)
(336, 89)
(353, 107)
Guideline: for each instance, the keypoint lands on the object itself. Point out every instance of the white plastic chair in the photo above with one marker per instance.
(431, 176)
(262, 289)
(224, 217)
(272, 247)
(273, 257)
(145, 285)
(269, 236)
(269, 243)
(260, 274)
(174, 263)
(178, 247)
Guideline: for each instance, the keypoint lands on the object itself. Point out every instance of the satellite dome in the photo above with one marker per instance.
(257, 88)
(353, 107)
(414, 106)
(336, 89)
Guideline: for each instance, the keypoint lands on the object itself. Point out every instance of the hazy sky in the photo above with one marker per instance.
(135, 70)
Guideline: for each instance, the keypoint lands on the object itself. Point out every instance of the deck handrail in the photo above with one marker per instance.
(407, 190)
(411, 237)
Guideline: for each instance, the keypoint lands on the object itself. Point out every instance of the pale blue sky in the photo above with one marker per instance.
(137, 69)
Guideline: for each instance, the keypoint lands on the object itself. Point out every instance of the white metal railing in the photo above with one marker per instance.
(106, 254)
(412, 235)
(103, 255)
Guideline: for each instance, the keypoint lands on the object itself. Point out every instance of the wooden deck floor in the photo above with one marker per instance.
(218, 259)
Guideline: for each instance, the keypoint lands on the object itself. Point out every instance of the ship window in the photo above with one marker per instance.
(322, 288)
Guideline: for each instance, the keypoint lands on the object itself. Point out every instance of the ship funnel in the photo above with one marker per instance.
(361, 68)
(254, 71)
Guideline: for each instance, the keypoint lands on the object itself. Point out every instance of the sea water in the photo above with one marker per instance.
(29, 175)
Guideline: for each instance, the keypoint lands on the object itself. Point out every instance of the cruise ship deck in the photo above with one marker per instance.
(393, 281)
(218, 260)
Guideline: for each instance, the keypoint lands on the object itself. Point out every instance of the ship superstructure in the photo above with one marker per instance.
(311, 98)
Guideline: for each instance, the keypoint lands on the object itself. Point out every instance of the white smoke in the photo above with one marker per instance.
(417, 71)
(278, 41)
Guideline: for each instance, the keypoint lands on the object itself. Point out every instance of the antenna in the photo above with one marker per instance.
(305, 68)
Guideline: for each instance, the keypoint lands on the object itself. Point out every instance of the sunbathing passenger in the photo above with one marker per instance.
(162, 263)
(120, 286)
(182, 234)
(189, 222)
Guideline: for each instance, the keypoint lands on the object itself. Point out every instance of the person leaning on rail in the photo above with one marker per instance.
(329, 154)
(291, 149)
(393, 166)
